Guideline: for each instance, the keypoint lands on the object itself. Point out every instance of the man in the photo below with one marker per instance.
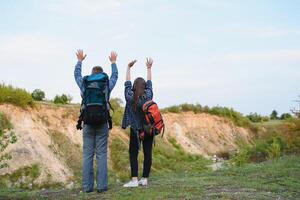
(95, 136)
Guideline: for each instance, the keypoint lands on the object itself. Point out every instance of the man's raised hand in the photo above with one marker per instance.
(149, 62)
(80, 55)
(113, 57)
(131, 63)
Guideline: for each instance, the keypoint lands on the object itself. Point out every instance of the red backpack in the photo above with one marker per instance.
(153, 118)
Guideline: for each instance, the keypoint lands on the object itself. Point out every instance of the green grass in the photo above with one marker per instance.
(15, 96)
(120, 159)
(171, 157)
(266, 180)
(167, 157)
(22, 177)
(272, 122)
(4, 122)
(277, 138)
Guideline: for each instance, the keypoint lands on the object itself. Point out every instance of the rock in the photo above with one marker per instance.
(70, 185)
(30, 186)
(214, 158)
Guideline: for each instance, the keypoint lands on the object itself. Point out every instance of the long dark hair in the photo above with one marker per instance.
(139, 86)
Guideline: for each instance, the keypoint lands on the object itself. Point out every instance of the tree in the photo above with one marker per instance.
(273, 115)
(254, 117)
(63, 99)
(285, 116)
(38, 95)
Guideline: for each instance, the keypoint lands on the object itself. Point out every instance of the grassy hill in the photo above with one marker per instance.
(262, 159)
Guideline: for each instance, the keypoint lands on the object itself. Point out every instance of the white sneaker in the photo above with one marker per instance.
(132, 183)
(143, 182)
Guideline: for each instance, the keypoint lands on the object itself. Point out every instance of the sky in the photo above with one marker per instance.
(240, 54)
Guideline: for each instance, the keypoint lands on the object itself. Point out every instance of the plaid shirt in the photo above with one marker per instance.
(131, 117)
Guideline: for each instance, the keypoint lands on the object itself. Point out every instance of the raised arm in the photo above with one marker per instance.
(77, 71)
(114, 70)
(128, 78)
(149, 63)
(128, 85)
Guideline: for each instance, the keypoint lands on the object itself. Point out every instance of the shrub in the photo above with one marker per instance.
(117, 115)
(231, 114)
(15, 96)
(290, 132)
(278, 140)
(172, 109)
(28, 174)
(38, 95)
(63, 99)
(274, 150)
(285, 116)
(254, 117)
(228, 113)
(273, 115)
(6, 137)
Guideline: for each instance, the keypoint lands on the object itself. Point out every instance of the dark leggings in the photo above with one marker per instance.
(134, 151)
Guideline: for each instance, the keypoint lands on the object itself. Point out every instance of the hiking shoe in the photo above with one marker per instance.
(132, 183)
(86, 191)
(101, 190)
(143, 182)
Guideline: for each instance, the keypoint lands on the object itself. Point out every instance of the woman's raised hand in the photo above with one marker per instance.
(149, 62)
(132, 63)
(80, 55)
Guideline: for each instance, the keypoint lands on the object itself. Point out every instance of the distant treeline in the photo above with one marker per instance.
(229, 113)
(21, 97)
(237, 117)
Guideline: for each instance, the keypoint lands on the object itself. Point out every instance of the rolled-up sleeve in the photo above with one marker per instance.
(128, 91)
(149, 91)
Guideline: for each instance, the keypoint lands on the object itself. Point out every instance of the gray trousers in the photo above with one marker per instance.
(94, 140)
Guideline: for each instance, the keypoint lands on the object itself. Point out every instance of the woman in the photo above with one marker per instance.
(135, 96)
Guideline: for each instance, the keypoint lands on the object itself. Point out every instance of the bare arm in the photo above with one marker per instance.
(149, 63)
(128, 78)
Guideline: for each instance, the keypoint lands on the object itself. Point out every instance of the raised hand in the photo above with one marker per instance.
(132, 63)
(113, 57)
(149, 62)
(80, 55)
